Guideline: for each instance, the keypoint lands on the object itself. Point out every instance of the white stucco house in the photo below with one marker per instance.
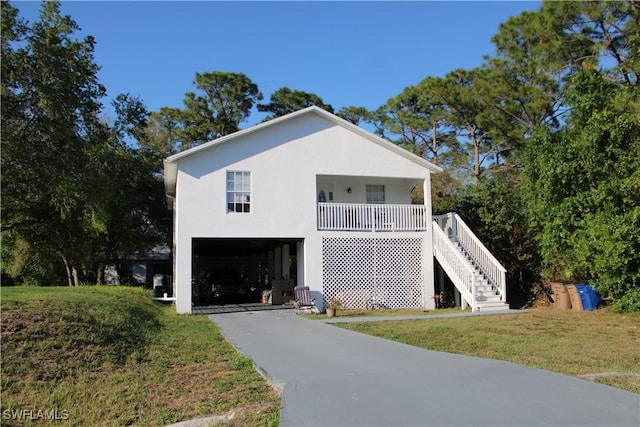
(311, 199)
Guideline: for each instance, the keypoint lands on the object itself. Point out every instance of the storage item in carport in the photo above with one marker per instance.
(266, 297)
(282, 291)
(588, 296)
(574, 295)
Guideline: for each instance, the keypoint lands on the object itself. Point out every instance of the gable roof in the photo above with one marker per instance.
(171, 162)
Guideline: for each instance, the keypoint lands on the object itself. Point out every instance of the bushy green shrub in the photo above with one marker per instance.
(583, 187)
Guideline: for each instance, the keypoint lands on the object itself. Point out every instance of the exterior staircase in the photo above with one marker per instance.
(474, 271)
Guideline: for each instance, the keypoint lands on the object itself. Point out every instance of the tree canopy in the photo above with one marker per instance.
(284, 101)
(583, 183)
(72, 189)
(223, 101)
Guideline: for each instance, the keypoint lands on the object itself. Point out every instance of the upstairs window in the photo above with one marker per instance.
(375, 194)
(238, 191)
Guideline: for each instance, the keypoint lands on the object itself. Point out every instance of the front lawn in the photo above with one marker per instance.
(385, 313)
(110, 356)
(569, 342)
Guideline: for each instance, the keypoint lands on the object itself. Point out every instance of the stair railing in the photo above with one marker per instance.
(459, 232)
(455, 265)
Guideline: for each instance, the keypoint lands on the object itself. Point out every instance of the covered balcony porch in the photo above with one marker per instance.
(371, 217)
(371, 204)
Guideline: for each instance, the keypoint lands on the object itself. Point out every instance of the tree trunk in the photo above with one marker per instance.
(74, 271)
(66, 266)
(476, 160)
(100, 275)
(435, 144)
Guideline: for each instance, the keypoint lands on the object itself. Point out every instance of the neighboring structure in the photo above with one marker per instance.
(141, 268)
(308, 199)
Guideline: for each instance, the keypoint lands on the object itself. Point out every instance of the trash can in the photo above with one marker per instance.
(574, 295)
(561, 300)
(588, 296)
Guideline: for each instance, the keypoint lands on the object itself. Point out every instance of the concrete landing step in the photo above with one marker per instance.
(493, 306)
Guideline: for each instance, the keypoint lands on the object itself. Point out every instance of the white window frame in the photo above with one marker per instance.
(238, 191)
(375, 194)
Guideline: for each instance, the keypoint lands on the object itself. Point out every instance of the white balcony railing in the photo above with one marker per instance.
(371, 217)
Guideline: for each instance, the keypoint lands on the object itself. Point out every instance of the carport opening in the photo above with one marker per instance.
(239, 271)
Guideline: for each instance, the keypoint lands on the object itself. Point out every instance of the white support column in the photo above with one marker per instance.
(183, 283)
(301, 279)
(311, 270)
(428, 289)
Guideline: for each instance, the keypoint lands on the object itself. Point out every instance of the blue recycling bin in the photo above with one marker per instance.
(589, 296)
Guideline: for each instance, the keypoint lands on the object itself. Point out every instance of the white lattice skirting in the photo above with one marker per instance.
(373, 272)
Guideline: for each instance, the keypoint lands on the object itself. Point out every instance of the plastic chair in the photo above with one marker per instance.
(303, 300)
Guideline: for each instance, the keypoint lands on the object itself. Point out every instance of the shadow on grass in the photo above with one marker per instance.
(54, 336)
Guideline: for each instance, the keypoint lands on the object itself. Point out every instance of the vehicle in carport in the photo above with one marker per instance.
(228, 286)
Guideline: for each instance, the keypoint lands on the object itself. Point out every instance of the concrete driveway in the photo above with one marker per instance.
(334, 377)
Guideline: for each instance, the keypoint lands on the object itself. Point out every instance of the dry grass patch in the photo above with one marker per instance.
(109, 356)
(569, 342)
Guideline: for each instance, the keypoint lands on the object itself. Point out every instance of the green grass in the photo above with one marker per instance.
(110, 356)
(384, 313)
(569, 342)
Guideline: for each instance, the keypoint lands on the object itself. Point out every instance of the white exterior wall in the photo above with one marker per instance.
(429, 279)
(286, 161)
(396, 191)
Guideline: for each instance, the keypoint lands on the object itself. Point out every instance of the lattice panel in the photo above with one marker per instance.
(372, 272)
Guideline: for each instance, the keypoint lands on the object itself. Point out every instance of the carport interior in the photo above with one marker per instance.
(237, 271)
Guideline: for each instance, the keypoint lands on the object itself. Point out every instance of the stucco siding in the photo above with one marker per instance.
(287, 161)
(283, 175)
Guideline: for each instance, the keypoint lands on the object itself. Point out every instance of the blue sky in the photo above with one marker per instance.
(348, 53)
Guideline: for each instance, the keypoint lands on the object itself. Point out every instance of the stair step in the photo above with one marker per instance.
(483, 285)
(494, 308)
(488, 299)
(487, 295)
(497, 301)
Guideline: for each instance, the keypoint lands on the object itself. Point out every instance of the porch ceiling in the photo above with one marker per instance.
(238, 246)
(408, 179)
